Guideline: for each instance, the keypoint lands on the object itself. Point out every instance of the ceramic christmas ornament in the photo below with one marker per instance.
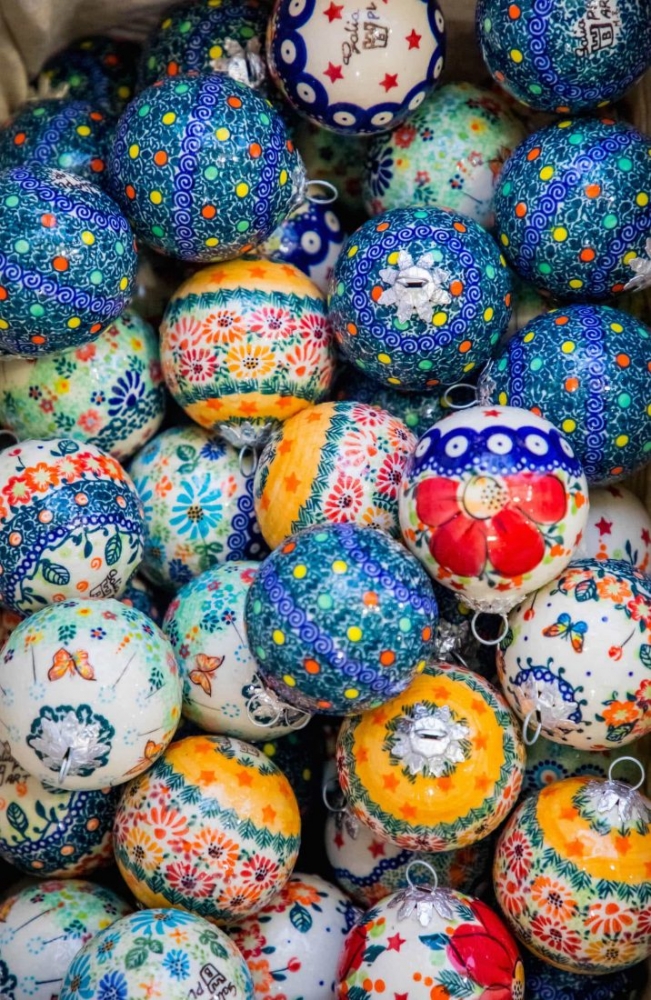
(419, 297)
(109, 393)
(355, 70)
(70, 135)
(571, 875)
(548, 762)
(293, 944)
(448, 153)
(67, 264)
(600, 50)
(437, 768)
(138, 594)
(71, 524)
(52, 832)
(198, 501)
(425, 944)
(206, 37)
(204, 168)
(299, 755)
(340, 619)
(618, 527)
(546, 982)
(172, 953)
(246, 345)
(336, 462)
(222, 689)
(44, 924)
(599, 395)
(573, 209)
(97, 69)
(214, 828)
(338, 159)
(575, 662)
(417, 410)
(368, 868)
(90, 694)
(310, 239)
(493, 502)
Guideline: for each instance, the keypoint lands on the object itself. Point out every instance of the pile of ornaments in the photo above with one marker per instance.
(368, 587)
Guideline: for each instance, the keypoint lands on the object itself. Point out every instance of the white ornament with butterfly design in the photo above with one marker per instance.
(222, 690)
(90, 694)
(575, 664)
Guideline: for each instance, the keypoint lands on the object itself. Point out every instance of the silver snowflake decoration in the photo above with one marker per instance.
(415, 288)
(422, 901)
(71, 745)
(642, 268)
(265, 709)
(618, 803)
(428, 741)
(546, 699)
(245, 65)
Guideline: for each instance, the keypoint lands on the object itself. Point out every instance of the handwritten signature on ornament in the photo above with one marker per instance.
(374, 34)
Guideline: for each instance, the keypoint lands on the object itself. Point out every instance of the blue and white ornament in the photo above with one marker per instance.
(311, 238)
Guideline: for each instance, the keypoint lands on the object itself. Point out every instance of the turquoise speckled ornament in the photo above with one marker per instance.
(97, 69)
(419, 297)
(168, 951)
(340, 618)
(57, 133)
(448, 153)
(51, 832)
(198, 505)
(573, 209)
(44, 924)
(67, 263)
(417, 410)
(335, 158)
(197, 36)
(204, 168)
(586, 369)
(109, 393)
(584, 59)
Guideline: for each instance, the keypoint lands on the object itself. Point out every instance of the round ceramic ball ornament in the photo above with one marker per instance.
(548, 762)
(368, 868)
(619, 527)
(53, 832)
(222, 690)
(338, 159)
(493, 502)
(245, 346)
(419, 296)
(109, 393)
(90, 694)
(436, 768)
(417, 410)
(44, 924)
(214, 828)
(573, 209)
(204, 168)
(198, 504)
(448, 153)
(167, 950)
(298, 936)
(575, 661)
(424, 942)
(57, 133)
(600, 391)
(333, 463)
(571, 875)
(138, 594)
(340, 619)
(67, 265)
(204, 36)
(97, 69)
(71, 524)
(589, 60)
(311, 239)
(356, 70)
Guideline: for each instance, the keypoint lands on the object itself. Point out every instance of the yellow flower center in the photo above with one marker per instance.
(484, 497)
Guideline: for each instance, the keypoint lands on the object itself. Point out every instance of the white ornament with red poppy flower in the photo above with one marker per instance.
(618, 527)
(493, 502)
(419, 944)
(293, 944)
(576, 661)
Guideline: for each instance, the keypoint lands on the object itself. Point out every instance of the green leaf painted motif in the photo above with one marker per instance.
(645, 656)
(586, 590)
(113, 550)
(54, 573)
(300, 918)
(435, 942)
(135, 957)
(17, 818)
(373, 952)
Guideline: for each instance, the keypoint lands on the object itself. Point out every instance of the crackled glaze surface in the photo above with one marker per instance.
(97, 69)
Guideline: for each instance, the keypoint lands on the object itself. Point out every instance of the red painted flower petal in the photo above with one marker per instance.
(460, 546)
(515, 545)
(542, 498)
(496, 928)
(482, 958)
(436, 500)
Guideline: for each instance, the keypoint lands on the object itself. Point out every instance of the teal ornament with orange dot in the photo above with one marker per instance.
(419, 297)
(98, 69)
(204, 167)
(69, 135)
(586, 369)
(67, 261)
(340, 619)
(573, 209)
